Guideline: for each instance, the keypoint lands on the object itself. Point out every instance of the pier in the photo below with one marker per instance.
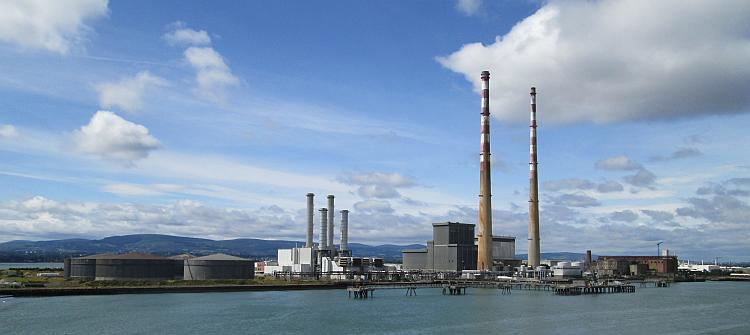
(597, 289)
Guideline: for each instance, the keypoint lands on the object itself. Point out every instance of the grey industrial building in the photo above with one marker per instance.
(454, 248)
(218, 266)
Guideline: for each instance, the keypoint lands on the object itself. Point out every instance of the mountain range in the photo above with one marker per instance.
(57, 250)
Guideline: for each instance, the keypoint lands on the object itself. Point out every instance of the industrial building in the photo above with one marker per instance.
(621, 265)
(218, 266)
(454, 248)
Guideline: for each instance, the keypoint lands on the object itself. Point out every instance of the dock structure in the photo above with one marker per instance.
(597, 289)
(454, 289)
(360, 292)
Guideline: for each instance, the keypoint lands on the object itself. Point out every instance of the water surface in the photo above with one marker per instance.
(684, 308)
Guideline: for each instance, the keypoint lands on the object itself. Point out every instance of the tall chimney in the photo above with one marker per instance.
(323, 241)
(588, 261)
(310, 217)
(533, 189)
(330, 223)
(344, 230)
(484, 252)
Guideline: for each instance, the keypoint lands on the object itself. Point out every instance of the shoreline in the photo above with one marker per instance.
(67, 291)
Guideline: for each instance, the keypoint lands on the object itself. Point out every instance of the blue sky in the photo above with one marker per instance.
(215, 119)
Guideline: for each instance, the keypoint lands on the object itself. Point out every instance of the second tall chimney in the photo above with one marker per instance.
(310, 218)
(484, 250)
(534, 257)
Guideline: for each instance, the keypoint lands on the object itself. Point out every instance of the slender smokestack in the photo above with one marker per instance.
(323, 241)
(587, 264)
(533, 189)
(344, 230)
(330, 223)
(310, 217)
(484, 252)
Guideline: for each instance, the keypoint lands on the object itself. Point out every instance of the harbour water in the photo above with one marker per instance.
(683, 308)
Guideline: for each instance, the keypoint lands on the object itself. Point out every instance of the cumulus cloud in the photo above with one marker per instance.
(609, 186)
(372, 206)
(468, 7)
(642, 178)
(678, 154)
(662, 216)
(56, 26)
(622, 163)
(8, 131)
(127, 94)
(213, 75)
(113, 138)
(720, 202)
(378, 184)
(575, 200)
(590, 62)
(568, 184)
(180, 34)
(624, 216)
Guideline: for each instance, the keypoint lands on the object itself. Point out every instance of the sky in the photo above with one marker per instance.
(214, 119)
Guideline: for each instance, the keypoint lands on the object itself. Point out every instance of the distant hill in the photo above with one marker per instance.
(56, 250)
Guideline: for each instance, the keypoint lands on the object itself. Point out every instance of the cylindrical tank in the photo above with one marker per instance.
(66, 268)
(218, 266)
(137, 267)
(576, 264)
(83, 268)
(563, 264)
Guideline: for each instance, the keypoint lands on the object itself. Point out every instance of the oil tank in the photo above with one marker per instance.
(136, 266)
(218, 266)
(83, 268)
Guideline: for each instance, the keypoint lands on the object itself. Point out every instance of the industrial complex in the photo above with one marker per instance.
(456, 249)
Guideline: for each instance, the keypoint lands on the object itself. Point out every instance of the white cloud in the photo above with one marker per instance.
(114, 138)
(52, 25)
(127, 93)
(379, 178)
(212, 73)
(182, 35)
(8, 131)
(468, 7)
(607, 61)
(621, 162)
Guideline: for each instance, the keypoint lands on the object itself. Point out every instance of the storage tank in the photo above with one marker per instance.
(563, 264)
(82, 268)
(577, 264)
(137, 266)
(218, 266)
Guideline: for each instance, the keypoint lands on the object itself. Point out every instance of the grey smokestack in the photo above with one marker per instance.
(533, 189)
(588, 262)
(323, 241)
(484, 250)
(310, 218)
(344, 230)
(330, 223)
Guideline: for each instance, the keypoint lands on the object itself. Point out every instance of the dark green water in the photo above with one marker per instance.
(685, 308)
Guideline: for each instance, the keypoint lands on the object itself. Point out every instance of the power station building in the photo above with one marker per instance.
(454, 248)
